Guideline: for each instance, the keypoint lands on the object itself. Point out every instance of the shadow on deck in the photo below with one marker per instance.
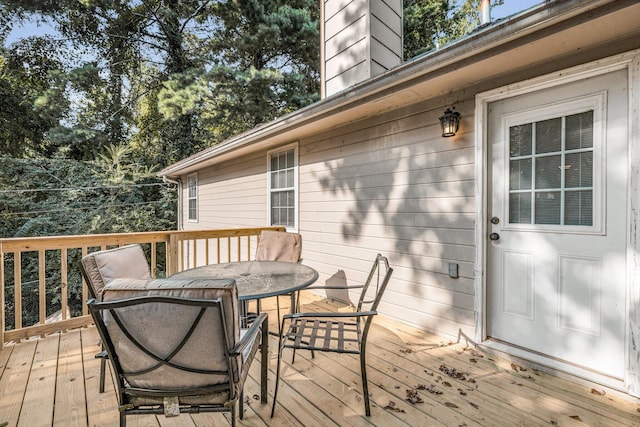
(416, 379)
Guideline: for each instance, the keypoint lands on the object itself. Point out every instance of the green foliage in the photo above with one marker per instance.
(62, 197)
(429, 24)
(266, 63)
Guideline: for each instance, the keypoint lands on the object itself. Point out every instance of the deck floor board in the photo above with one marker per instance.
(54, 381)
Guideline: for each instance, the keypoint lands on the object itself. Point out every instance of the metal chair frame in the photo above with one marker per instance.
(258, 330)
(336, 332)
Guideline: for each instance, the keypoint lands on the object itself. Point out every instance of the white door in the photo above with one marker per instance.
(556, 254)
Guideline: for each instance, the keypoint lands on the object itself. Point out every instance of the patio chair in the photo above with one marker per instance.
(279, 246)
(337, 332)
(176, 346)
(101, 267)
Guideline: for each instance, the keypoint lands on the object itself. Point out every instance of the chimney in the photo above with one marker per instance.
(360, 39)
(485, 12)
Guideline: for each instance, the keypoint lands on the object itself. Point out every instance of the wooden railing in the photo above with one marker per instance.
(42, 289)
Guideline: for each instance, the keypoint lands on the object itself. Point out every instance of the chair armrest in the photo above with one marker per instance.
(261, 322)
(325, 315)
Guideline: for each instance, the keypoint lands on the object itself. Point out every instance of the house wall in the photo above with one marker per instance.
(389, 184)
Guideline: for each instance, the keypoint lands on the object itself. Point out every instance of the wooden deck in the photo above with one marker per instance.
(54, 381)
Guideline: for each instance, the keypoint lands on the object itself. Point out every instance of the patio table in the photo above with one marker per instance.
(258, 279)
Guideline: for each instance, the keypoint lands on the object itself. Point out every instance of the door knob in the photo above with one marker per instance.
(494, 236)
(495, 220)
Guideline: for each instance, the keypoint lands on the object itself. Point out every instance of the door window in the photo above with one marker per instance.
(551, 171)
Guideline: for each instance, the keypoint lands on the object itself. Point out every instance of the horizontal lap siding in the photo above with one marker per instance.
(393, 185)
(232, 194)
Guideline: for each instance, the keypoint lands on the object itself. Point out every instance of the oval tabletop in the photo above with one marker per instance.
(257, 279)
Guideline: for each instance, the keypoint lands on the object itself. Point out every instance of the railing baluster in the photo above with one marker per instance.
(64, 283)
(42, 287)
(154, 261)
(2, 301)
(17, 288)
(85, 289)
(195, 253)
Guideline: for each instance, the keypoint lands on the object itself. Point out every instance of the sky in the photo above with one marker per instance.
(513, 6)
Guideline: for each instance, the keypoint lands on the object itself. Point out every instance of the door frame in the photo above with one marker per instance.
(631, 62)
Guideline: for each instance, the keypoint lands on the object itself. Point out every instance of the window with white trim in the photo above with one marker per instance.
(192, 197)
(283, 187)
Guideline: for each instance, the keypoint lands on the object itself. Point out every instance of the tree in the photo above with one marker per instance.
(265, 56)
(26, 75)
(429, 24)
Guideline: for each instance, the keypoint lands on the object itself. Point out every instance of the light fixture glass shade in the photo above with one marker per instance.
(449, 123)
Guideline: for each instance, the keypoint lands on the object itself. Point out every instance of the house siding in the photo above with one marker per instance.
(389, 184)
(392, 184)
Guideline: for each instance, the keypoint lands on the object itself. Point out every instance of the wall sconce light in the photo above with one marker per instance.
(450, 122)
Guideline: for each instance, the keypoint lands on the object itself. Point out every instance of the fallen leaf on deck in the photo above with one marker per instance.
(462, 392)
(392, 407)
(445, 383)
(575, 417)
(413, 397)
(598, 392)
(474, 405)
(453, 373)
(406, 350)
(472, 360)
(431, 389)
(517, 367)
(451, 405)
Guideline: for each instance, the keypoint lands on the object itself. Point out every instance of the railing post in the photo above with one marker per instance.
(172, 255)
(2, 302)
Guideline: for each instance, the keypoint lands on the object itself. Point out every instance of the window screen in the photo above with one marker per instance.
(551, 171)
(282, 185)
(192, 185)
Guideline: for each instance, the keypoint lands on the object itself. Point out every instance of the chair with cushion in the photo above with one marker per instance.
(101, 267)
(337, 332)
(279, 246)
(176, 346)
